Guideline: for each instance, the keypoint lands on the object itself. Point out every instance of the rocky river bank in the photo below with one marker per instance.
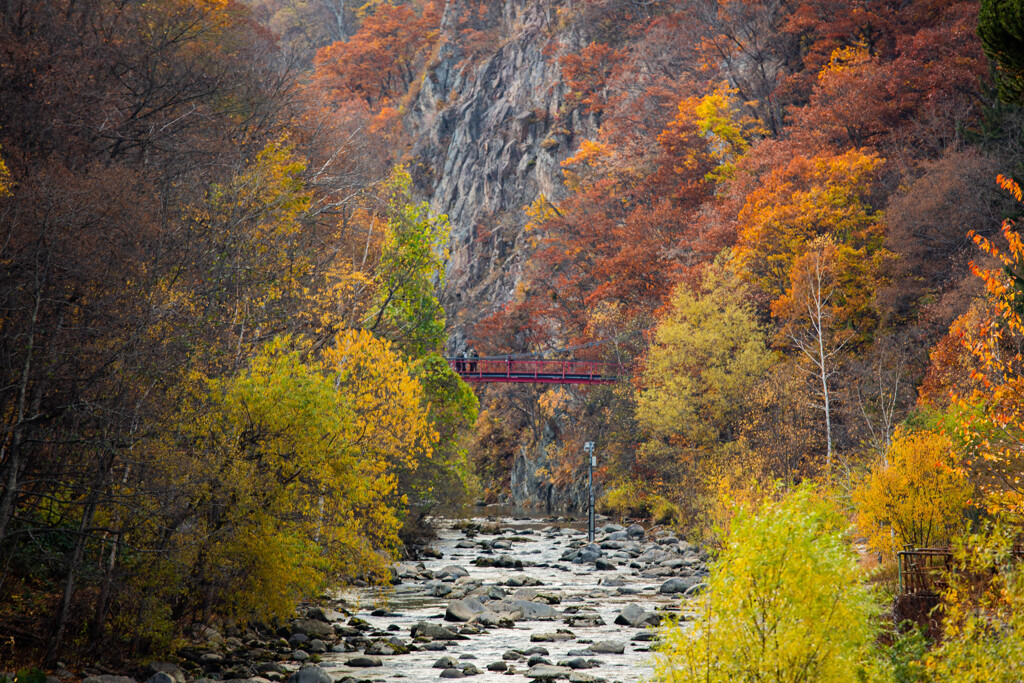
(498, 599)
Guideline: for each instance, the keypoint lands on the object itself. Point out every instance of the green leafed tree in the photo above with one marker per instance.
(1001, 29)
(786, 603)
(411, 272)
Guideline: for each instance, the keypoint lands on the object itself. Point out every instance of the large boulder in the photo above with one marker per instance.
(365, 661)
(679, 585)
(310, 674)
(525, 610)
(636, 616)
(608, 647)
(452, 571)
(548, 672)
(435, 632)
(314, 628)
(464, 610)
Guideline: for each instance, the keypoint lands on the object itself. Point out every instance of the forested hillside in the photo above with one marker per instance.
(221, 384)
(238, 239)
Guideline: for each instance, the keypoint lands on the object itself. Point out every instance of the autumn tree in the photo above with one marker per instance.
(410, 272)
(381, 60)
(809, 197)
(914, 495)
(808, 312)
(787, 602)
(706, 357)
(990, 406)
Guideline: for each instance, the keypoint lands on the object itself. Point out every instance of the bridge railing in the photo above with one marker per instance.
(493, 368)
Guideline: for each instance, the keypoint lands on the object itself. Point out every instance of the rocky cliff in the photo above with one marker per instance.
(490, 137)
(491, 131)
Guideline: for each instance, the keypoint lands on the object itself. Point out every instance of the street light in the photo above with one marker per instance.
(589, 448)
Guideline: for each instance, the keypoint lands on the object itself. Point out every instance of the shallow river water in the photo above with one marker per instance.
(578, 585)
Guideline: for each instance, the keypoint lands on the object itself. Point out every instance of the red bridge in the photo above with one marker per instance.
(535, 370)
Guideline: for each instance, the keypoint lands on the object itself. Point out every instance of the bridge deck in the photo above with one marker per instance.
(535, 370)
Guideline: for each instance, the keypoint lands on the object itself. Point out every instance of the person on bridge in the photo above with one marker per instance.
(460, 362)
(472, 360)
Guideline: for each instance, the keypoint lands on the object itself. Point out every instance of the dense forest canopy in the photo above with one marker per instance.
(223, 299)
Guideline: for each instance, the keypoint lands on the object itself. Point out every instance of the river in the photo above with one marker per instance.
(539, 543)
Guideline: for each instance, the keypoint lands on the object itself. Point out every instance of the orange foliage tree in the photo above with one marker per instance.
(380, 62)
(991, 411)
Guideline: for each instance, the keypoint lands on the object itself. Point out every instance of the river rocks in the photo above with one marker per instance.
(310, 674)
(499, 666)
(300, 655)
(526, 610)
(558, 636)
(635, 531)
(172, 670)
(605, 565)
(548, 672)
(452, 673)
(107, 678)
(160, 677)
(425, 629)
(636, 616)
(446, 662)
(519, 581)
(464, 610)
(313, 628)
(365, 662)
(451, 572)
(608, 647)
(679, 585)
(585, 620)
(271, 667)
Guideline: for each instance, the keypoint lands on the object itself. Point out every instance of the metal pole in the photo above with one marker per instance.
(589, 448)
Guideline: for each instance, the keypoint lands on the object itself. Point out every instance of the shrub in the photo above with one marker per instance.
(786, 602)
(916, 498)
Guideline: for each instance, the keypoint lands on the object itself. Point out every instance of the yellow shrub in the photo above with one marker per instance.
(916, 498)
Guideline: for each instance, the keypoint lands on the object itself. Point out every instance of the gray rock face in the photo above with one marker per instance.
(490, 136)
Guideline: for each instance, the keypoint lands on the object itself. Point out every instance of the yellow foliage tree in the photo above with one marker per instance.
(915, 496)
(787, 603)
(298, 461)
(808, 198)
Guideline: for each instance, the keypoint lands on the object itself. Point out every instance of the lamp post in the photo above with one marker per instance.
(588, 447)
